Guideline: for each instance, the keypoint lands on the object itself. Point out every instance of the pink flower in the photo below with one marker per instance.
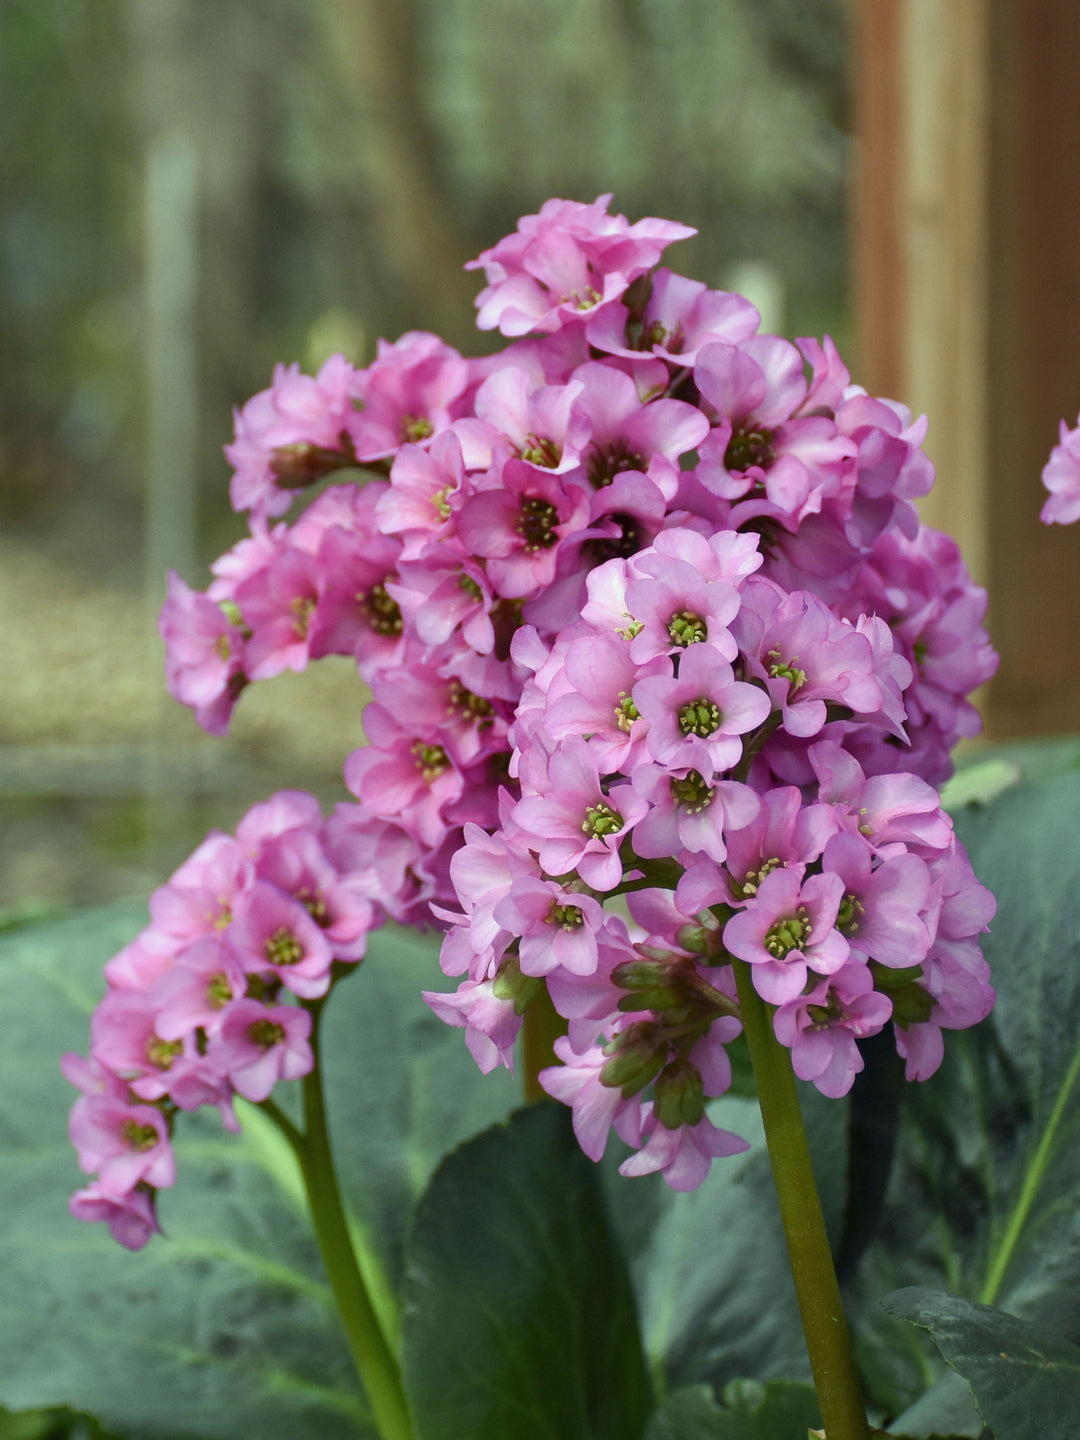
(682, 1156)
(291, 435)
(556, 927)
(564, 261)
(125, 1143)
(258, 1045)
(273, 935)
(679, 318)
(616, 564)
(576, 1082)
(697, 718)
(408, 394)
(1061, 476)
(204, 655)
(788, 929)
(491, 1024)
(821, 1027)
(574, 824)
(130, 1216)
(519, 527)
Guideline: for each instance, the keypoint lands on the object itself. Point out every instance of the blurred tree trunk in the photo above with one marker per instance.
(372, 44)
(965, 209)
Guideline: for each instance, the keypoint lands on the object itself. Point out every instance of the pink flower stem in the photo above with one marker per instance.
(832, 1361)
(372, 1354)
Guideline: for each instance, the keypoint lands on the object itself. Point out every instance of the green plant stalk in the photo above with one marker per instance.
(1033, 1179)
(542, 1026)
(832, 1360)
(376, 1364)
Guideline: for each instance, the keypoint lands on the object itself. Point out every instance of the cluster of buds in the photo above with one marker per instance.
(647, 611)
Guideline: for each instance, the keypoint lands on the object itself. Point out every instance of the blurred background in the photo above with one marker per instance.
(192, 190)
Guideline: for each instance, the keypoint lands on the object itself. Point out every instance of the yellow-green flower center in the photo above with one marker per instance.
(283, 948)
(701, 717)
(601, 819)
(791, 933)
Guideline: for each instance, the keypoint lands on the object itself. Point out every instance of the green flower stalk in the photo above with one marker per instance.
(832, 1360)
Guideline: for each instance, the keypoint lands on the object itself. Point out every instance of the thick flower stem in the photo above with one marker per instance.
(375, 1362)
(832, 1360)
(542, 1027)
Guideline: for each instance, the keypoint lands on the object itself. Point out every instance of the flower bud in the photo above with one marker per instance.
(679, 1096)
(639, 1056)
(511, 984)
(912, 1002)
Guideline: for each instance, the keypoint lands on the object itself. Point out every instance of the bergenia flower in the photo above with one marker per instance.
(644, 607)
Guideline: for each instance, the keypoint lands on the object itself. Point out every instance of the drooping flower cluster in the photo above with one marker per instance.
(646, 610)
(208, 1001)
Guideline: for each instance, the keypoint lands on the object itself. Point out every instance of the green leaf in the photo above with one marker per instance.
(519, 1317)
(1025, 1379)
(225, 1326)
(49, 1425)
(780, 1410)
(985, 1194)
(979, 783)
(710, 1266)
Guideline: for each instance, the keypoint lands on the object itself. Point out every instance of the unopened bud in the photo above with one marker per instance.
(632, 1070)
(912, 1003)
(511, 984)
(679, 1096)
(301, 464)
(695, 938)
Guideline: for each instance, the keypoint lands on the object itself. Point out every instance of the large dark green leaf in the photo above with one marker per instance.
(985, 1194)
(780, 1410)
(1025, 1378)
(711, 1268)
(519, 1316)
(225, 1326)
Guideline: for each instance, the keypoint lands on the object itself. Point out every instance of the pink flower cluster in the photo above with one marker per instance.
(647, 611)
(213, 998)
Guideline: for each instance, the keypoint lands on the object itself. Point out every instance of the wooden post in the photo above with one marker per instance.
(966, 283)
